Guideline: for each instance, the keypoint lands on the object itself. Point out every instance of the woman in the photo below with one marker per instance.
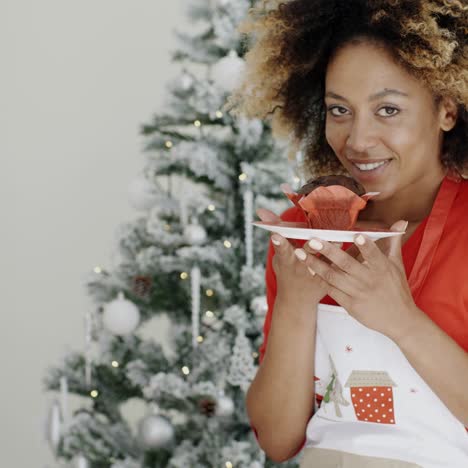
(364, 361)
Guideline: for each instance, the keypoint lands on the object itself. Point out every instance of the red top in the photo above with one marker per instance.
(409, 252)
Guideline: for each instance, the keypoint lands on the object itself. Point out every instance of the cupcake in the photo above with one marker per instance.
(330, 202)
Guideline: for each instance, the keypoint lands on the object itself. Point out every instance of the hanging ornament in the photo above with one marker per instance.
(194, 233)
(54, 426)
(81, 462)
(207, 406)
(88, 348)
(248, 220)
(242, 369)
(259, 307)
(142, 286)
(224, 406)
(142, 194)
(64, 400)
(121, 316)
(195, 277)
(228, 71)
(185, 81)
(155, 432)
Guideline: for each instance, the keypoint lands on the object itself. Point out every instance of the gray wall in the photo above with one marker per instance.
(77, 79)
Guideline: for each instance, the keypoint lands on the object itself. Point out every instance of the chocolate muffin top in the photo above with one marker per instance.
(325, 181)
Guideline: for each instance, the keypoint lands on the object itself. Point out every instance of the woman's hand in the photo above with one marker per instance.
(376, 291)
(294, 280)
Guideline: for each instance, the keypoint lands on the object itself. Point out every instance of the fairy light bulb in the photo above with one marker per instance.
(185, 370)
(227, 244)
(184, 275)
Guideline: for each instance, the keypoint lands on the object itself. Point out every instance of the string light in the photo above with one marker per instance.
(297, 179)
(229, 464)
(94, 393)
(208, 313)
(255, 355)
(169, 144)
(184, 275)
(243, 177)
(200, 339)
(97, 270)
(219, 114)
(211, 207)
(227, 244)
(115, 364)
(167, 227)
(185, 370)
(197, 123)
(209, 292)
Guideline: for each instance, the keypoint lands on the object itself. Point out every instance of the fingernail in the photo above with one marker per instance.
(406, 225)
(300, 254)
(275, 241)
(360, 240)
(315, 244)
(312, 272)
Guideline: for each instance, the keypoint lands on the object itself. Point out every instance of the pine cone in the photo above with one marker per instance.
(207, 406)
(142, 286)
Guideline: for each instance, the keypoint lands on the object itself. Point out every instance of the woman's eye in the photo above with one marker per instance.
(337, 111)
(388, 111)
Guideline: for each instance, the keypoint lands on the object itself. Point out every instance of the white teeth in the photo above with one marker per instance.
(370, 167)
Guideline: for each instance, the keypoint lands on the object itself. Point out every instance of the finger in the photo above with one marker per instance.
(283, 249)
(331, 274)
(339, 257)
(267, 215)
(370, 252)
(397, 241)
(311, 251)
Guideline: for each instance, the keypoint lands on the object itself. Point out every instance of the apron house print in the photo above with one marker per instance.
(372, 396)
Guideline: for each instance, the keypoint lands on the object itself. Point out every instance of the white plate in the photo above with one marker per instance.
(301, 231)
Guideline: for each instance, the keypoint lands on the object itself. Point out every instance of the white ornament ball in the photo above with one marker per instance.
(256, 464)
(81, 462)
(195, 234)
(186, 81)
(142, 194)
(224, 406)
(121, 316)
(228, 71)
(54, 425)
(154, 431)
(259, 305)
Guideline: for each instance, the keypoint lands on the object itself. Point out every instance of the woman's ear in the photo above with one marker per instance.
(448, 113)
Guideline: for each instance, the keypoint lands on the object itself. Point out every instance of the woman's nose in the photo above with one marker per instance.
(361, 136)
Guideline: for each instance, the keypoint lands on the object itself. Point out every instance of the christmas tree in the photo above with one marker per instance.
(192, 256)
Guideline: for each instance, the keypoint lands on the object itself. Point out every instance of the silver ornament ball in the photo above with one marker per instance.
(154, 431)
(195, 234)
(227, 72)
(224, 406)
(121, 316)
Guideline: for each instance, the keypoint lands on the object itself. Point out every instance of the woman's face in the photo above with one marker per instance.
(376, 111)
